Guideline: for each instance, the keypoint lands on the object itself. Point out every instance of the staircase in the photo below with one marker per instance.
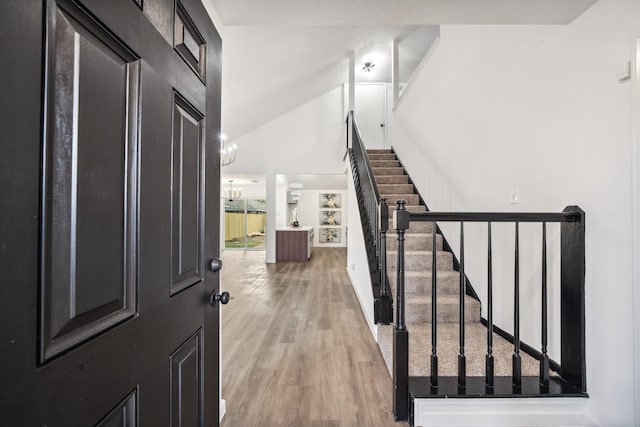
(475, 358)
(393, 184)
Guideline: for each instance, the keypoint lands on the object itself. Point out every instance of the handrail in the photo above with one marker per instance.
(356, 130)
(375, 217)
(495, 216)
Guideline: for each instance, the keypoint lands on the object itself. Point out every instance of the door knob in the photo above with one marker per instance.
(216, 265)
(222, 298)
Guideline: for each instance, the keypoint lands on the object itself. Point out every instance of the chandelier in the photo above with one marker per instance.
(231, 193)
(227, 154)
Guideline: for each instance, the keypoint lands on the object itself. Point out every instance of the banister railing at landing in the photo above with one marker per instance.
(572, 370)
(374, 215)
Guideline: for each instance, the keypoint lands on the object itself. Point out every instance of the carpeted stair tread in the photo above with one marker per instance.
(416, 282)
(410, 199)
(391, 179)
(385, 189)
(414, 227)
(384, 163)
(382, 156)
(418, 308)
(410, 208)
(415, 241)
(447, 348)
(421, 260)
(388, 171)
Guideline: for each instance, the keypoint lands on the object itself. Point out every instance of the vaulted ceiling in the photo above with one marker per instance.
(279, 54)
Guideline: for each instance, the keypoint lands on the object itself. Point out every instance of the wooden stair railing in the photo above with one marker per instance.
(374, 219)
(570, 380)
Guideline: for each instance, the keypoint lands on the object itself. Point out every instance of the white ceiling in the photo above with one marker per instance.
(243, 180)
(269, 70)
(398, 12)
(320, 182)
(280, 54)
(309, 182)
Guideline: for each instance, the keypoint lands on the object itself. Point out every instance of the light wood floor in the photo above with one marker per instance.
(296, 348)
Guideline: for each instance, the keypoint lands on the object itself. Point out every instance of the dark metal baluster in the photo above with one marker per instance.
(434, 309)
(462, 361)
(489, 365)
(517, 361)
(544, 357)
(401, 335)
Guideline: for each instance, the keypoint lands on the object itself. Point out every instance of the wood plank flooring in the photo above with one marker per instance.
(296, 348)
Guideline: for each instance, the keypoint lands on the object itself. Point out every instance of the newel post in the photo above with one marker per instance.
(383, 305)
(401, 335)
(572, 301)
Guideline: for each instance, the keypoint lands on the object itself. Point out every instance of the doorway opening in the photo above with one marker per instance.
(245, 224)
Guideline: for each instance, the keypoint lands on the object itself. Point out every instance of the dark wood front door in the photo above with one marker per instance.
(109, 173)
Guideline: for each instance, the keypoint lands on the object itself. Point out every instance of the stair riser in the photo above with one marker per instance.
(414, 227)
(447, 313)
(410, 199)
(382, 156)
(410, 208)
(414, 242)
(384, 163)
(448, 284)
(387, 171)
(421, 261)
(392, 179)
(384, 189)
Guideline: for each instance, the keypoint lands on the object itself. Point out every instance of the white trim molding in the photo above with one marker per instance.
(635, 199)
(223, 408)
(419, 68)
(502, 412)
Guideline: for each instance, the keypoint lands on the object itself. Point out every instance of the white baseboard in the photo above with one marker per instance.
(372, 326)
(502, 412)
(223, 408)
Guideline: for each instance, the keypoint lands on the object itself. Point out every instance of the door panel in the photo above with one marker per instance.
(123, 415)
(186, 383)
(93, 330)
(90, 182)
(186, 227)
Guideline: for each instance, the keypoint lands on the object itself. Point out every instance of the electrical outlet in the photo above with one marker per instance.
(513, 196)
(353, 266)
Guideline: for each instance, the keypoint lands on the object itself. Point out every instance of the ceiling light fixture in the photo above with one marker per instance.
(368, 66)
(296, 184)
(231, 193)
(227, 154)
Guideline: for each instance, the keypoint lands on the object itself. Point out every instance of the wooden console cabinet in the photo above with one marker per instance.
(294, 244)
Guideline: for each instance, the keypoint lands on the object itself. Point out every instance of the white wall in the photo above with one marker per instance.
(277, 148)
(357, 263)
(540, 109)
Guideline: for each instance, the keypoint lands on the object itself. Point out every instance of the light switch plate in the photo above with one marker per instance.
(513, 196)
